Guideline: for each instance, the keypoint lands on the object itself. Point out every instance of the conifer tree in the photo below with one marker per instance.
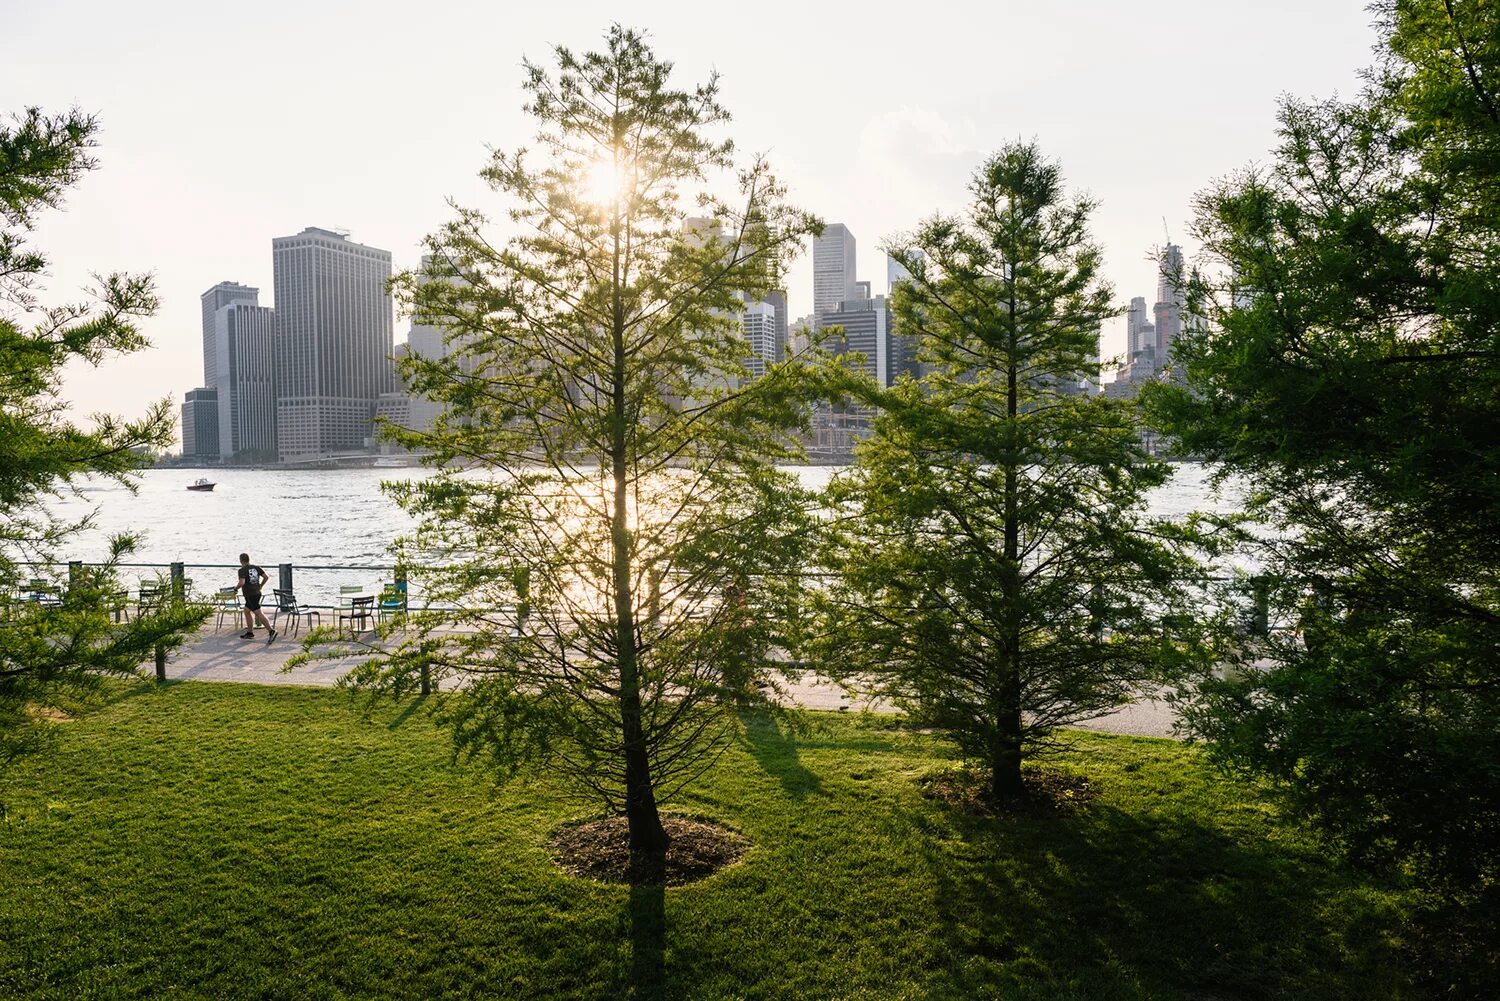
(1351, 375)
(995, 573)
(619, 501)
(55, 649)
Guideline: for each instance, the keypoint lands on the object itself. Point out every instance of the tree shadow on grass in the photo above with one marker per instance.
(412, 705)
(1104, 903)
(771, 741)
(647, 908)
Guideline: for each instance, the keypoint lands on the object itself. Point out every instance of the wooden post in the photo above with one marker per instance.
(1096, 611)
(1260, 615)
(523, 598)
(179, 584)
(284, 573)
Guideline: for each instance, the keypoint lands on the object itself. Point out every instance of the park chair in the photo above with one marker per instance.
(150, 598)
(392, 602)
(286, 604)
(361, 609)
(227, 602)
(40, 592)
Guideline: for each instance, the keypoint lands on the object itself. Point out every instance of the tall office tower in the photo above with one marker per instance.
(200, 424)
(895, 273)
(245, 352)
(213, 300)
(833, 268)
(1170, 299)
(776, 299)
(1135, 323)
(799, 335)
(758, 321)
(334, 335)
(867, 329)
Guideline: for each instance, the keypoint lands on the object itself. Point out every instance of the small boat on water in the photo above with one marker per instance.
(201, 484)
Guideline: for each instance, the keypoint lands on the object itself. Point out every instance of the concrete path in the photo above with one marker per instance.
(220, 655)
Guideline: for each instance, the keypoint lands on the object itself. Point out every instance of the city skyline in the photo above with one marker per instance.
(902, 147)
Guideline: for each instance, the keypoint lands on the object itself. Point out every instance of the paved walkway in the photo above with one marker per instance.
(220, 655)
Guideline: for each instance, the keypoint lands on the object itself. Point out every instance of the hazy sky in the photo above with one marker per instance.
(225, 125)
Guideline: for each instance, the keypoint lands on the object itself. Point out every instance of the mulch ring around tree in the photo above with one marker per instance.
(600, 849)
(1048, 791)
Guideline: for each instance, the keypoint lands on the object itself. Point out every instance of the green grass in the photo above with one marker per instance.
(214, 840)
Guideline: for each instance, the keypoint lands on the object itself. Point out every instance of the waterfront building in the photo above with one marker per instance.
(833, 268)
(200, 424)
(334, 336)
(799, 336)
(758, 322)
(1170, 300)
(212, 301)
(776, 299)
(895, 273)
(1137, 328)
(244, 355)
(868, 329)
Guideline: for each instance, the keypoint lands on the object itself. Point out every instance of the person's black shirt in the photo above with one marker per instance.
(251, 576)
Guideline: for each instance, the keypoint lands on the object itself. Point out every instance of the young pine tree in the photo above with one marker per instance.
(1351, 375)
(994, 573)
(52, 651)
(619, 476)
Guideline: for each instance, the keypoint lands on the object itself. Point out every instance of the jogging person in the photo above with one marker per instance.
(252, 579)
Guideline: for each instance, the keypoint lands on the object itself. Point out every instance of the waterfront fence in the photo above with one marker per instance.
(326, 587)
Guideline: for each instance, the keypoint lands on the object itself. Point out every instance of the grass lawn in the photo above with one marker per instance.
(227, 841)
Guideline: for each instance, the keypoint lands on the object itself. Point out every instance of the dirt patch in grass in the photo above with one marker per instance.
(600, 850)
(48, 713)
(1047, 791)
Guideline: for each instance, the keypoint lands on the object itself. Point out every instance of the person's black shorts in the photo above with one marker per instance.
(252, 601)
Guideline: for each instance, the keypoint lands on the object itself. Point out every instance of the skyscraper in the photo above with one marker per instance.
(1170, 300)
(334, 335)
(758, 321)
(833, 268)
(1136, 325)
(213, 300)
(244, 351)
(895, 272)
(867, 330)
(200, 424)
(776, 299)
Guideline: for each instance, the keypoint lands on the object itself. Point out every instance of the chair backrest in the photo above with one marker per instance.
(350, 589)
(364, 601)
(286, 601)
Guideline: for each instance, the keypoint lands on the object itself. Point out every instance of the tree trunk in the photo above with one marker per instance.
(648, 839)
(1005, 764)
(1005, 769)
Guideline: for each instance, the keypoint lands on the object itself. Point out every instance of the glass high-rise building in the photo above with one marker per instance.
(214, 300)
(1170, 300)
(244, 351)
(200, 423)
(867, 330)
(758, 322)
(334, 336)
(833, 268)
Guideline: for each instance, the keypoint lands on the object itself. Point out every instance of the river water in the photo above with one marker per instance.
(339, 516)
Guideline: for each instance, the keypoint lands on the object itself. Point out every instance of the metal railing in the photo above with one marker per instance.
(334, 581)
